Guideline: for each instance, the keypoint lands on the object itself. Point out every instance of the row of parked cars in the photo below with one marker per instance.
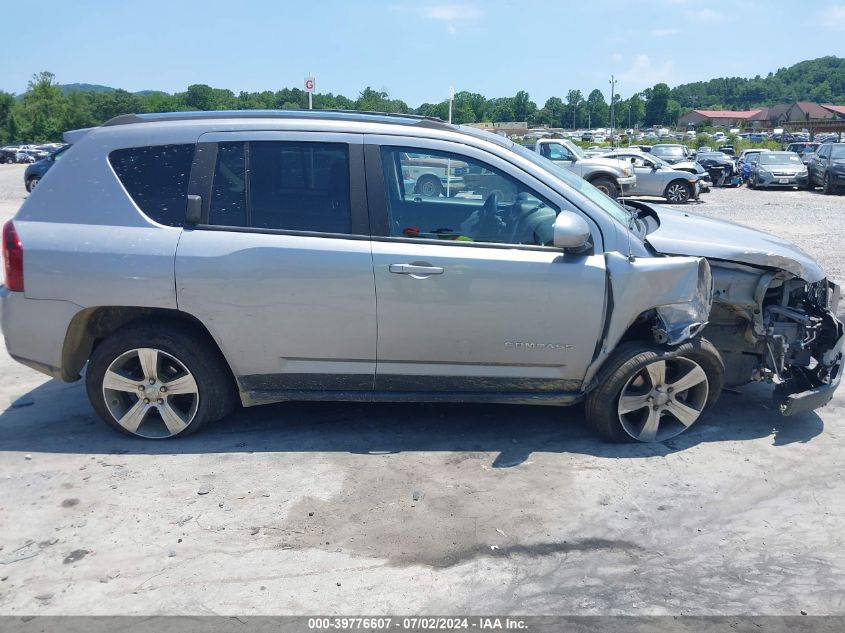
(10, 154)
(824, 167)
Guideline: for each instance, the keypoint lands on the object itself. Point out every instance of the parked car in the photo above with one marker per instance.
(237, 257)
(611, 177)
(35, 172)
(778, 169)
(803, 148)
(747, 153)
(656, 177)
(8, 155)
(672, 153)
(827, 168)
(721, 168)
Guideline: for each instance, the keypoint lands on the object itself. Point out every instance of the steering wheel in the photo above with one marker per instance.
(491, 205)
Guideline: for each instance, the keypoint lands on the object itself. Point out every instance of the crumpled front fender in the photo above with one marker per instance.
(678, 289)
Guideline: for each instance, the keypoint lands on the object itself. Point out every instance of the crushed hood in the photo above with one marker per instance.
(684, 233)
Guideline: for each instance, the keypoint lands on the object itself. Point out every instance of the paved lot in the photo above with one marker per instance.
(326, 508)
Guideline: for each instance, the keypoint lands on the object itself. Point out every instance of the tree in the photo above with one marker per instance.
(657, 107)
(43, 109)
(573, 100)
(599, 110)
(199, 97)
(555, 111)
(7, 102)
(523, 107)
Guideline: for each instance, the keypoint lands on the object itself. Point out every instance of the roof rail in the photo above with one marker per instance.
(345, 115)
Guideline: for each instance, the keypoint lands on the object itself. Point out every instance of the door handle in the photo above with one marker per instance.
(415, 269)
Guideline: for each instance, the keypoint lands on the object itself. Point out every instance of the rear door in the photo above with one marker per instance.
(280, 268)
(471, 296)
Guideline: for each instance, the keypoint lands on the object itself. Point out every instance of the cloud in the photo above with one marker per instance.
(833, 17)
(448, 13)
(644, 73)
(663, 32)
(705, 15)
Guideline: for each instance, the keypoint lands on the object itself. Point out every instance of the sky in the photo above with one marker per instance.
(414, 50)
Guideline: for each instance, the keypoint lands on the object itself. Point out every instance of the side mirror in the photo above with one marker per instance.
(571, 231)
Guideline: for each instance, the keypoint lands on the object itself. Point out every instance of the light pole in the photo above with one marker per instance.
(612, 107)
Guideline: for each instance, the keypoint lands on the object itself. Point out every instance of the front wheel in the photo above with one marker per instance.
(32, 183)
(607, 187)
(677, 192)
(651, 394)
(158, 380)
(827, 187)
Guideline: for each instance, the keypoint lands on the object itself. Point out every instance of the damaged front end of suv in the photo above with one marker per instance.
(773, 314)
(773, 326)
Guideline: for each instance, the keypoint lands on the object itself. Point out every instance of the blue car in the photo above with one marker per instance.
(35, 172)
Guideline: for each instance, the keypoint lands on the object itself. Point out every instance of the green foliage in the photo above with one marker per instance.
(821, 80)
(47, 108)
(657, 106)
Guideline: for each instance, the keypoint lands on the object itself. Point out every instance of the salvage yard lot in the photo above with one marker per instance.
(351, 508)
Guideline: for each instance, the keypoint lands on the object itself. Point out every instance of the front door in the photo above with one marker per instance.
(280, 269)
(471, 295)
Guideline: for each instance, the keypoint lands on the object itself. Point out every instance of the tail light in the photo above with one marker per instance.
(13, 257)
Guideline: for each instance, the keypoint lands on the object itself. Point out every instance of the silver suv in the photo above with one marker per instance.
(194, 261)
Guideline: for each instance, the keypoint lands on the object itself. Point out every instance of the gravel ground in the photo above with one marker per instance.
(345, 509)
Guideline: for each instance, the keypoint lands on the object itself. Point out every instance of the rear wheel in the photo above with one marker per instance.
(429, 187)
(158, 380)
(606, 186)
(650, 394)
(677, 192)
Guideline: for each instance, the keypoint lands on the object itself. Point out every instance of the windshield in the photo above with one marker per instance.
(616, 210)
(673, 150)
(780, 159)
(574, 149)
(837, 151)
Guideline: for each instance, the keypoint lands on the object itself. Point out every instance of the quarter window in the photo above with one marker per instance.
(435, 195)
(294, 186)
(156, 178)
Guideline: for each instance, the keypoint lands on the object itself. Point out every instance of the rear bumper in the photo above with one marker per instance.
(34, 330)
(782, 181)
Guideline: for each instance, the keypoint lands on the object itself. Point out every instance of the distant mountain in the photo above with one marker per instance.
(819, 80)
(67, 88)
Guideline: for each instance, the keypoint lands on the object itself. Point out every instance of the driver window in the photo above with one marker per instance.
(439, 196)
(556, 151)
(639, 161)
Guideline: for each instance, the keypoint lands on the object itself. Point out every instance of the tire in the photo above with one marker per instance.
(827, 187)
(751, 184)
(429, 187)
(606, 186)
(678, 192)
(625, 371)
(32, 183)
(209, 396)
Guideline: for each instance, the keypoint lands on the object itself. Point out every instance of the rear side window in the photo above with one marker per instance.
(294, 186)
(156, 178)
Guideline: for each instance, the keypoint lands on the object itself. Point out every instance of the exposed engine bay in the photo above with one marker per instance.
(775, 327)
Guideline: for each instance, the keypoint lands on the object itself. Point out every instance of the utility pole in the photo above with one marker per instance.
(612, 107)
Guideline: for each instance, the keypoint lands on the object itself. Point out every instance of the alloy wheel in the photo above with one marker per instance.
(663, 399)
(150, 393)
(677, 193)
